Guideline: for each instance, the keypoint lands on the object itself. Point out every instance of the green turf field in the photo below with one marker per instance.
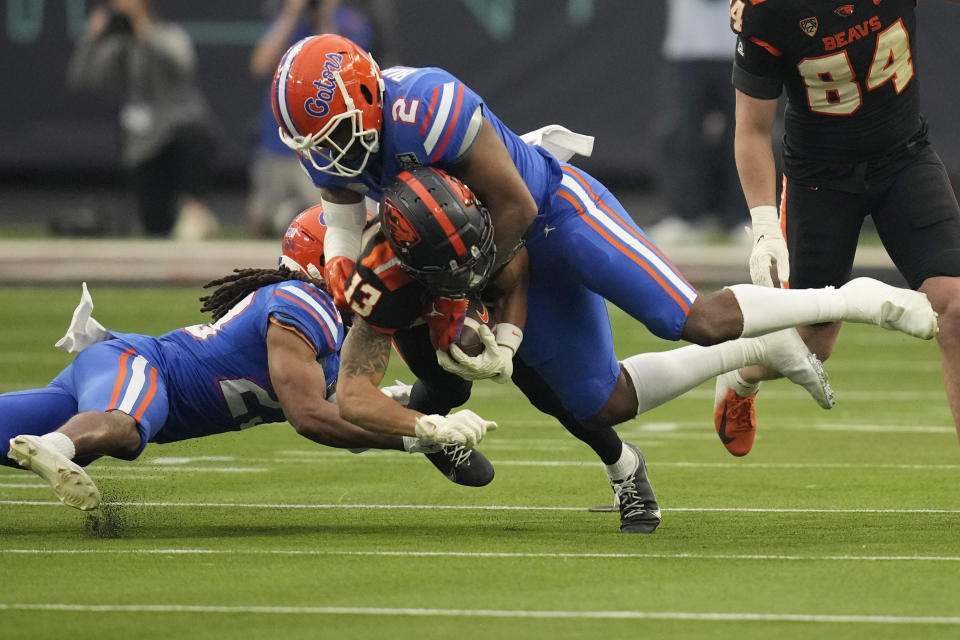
(840, 524)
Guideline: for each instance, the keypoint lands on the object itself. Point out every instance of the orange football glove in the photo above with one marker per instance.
(445, 318)
(336, 274)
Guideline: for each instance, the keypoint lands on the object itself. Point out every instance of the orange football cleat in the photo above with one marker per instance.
(735, 418)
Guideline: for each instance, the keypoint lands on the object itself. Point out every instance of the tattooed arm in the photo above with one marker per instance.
(363, 362)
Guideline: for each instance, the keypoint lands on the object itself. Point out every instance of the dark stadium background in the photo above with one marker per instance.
(592, 65)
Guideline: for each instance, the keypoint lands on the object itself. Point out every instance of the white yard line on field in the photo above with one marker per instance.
(843, 395)
(164, 468)
(897, 367)
(340, 457)
(486, 554)
(487, 613)
(469, 507)
(120, 471)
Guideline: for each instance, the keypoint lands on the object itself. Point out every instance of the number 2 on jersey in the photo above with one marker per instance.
(831, 82)
(248, 402)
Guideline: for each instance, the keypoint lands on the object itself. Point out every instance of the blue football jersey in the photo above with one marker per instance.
(426, 121)
(217, 374)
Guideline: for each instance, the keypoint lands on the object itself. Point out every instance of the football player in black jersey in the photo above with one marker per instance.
(855, 144)
(435, 239)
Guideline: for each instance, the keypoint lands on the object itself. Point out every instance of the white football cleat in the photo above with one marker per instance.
(69, 481)
(873, 302)
(785, 352)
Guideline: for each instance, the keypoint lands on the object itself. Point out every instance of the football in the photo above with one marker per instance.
(469, 340)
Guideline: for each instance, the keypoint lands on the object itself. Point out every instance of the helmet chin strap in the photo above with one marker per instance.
(347, 100)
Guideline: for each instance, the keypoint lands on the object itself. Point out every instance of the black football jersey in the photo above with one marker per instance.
(381, 292)
(849, 68)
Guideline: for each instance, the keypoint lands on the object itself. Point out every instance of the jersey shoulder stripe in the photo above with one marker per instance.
(439, 98)
(383, 263)
(431, 109)
(445, 122)
(327, 316)
(300, 306)
(766, 45)
(274, 318)
(320, 297)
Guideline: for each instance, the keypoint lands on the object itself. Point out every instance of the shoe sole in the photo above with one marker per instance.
(68, 480)
(476, 472)
(640, 527)
(819, 388)
(808, 373)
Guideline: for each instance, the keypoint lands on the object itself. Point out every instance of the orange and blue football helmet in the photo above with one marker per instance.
(303, 243)
(327, 97)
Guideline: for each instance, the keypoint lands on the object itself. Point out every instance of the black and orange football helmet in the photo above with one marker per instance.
(441, 233)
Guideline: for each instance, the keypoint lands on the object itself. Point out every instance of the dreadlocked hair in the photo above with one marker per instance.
(233, 288)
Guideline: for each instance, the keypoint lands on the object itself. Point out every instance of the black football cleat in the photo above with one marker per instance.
(639, 510)
(462, 465)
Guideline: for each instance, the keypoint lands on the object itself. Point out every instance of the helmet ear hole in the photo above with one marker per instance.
(367, 94)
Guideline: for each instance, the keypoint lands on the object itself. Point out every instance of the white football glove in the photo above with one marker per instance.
(399, 392)
(463, 427)
(769, 248)
(416, 445)
(495, 362)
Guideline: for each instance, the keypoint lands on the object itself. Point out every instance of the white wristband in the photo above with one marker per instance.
(345, 224)
(508, 335)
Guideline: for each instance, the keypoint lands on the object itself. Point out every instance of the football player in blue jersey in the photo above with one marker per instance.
(358, 130)
(270, 354)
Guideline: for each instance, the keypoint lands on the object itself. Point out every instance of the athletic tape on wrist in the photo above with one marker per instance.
(508, 335)
(345, 224)
(765, 214)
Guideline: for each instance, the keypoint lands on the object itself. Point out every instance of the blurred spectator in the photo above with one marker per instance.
(699, 178)
(279, 187)
(166, 125)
